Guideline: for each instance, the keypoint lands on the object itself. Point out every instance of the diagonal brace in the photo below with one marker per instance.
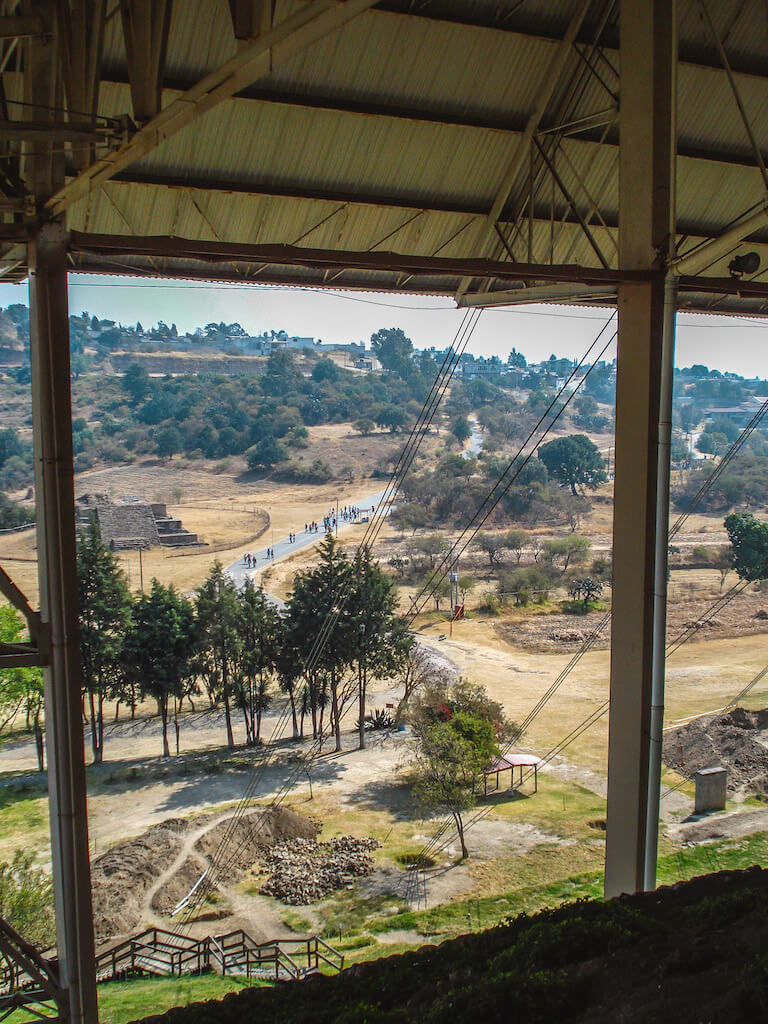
(12, 594)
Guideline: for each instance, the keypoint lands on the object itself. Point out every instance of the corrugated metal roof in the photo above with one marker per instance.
(352, 144)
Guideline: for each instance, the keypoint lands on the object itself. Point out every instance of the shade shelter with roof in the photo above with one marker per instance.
(508, 763)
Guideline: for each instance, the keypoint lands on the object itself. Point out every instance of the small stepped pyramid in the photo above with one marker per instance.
(170, 532)
(131, 523)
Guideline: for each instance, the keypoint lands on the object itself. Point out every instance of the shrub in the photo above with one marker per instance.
(490, 603)
(26, 899)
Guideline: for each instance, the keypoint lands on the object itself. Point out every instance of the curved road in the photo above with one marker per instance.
(239, 571)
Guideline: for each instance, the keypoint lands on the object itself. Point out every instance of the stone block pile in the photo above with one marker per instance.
(302, 871)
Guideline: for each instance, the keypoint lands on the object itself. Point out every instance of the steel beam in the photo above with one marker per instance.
(58, 638)
(63, 131)
(549, 81)
(545, 293)
(300, 30)
(146, 24)
(530, 23)
(582, 130)
(20, 27)
(323, 259)
(646, 233)
(711, 251)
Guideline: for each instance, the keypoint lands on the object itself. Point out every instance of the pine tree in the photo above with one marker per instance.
(260, 632)
(104, 604)
(158, 647)
(217, 610)
(381, 640)
(317, 593)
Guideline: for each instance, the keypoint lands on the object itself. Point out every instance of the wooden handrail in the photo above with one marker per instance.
(163, 951)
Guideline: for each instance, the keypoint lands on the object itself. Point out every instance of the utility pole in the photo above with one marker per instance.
(453, 579)
(141, 571)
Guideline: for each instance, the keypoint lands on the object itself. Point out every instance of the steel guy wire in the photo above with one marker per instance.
(429, 408)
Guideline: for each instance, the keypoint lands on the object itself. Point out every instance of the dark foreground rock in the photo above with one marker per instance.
(688, 953)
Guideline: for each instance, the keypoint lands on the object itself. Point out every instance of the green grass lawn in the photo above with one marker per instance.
(123, 1001)
(23, 821)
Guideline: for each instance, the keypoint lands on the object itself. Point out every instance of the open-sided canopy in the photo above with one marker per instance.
(384, 145)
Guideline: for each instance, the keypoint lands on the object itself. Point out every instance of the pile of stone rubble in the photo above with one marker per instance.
(304, 870)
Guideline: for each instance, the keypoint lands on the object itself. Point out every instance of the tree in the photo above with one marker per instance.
(265, 453)
(689, 416)
(749, 541)
(517, 360)
(168, 442)
(318, 592)
(432, 545)
(13, 514)
(261, 637)
(325, 370)
(449, 767)
(137, 382)
(516, 541)
(364, 426)
(26, 899)
(217, 610)
(281, 375)
(574, 461)
(393, 348)
(723, 562)
(382, 641)
(158, 648)
(567, 550)
(390, 417)
(104, 604)
(417, 670)
(585, 589)
(461, 429)
(458, 729)
(21, 689)
(492, 544)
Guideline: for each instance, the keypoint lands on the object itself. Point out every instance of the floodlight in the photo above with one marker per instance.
(746, 263)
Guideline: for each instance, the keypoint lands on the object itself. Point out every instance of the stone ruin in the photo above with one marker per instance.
(132, 523)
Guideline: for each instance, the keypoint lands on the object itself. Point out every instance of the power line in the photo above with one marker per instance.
(506, 479)
(672, 647)
(409, 452)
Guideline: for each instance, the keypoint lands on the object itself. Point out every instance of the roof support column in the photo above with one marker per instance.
(59, 633)
(643, 412)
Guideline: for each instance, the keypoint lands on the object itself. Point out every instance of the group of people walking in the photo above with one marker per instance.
(330, 522)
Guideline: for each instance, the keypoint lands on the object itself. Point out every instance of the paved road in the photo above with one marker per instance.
(475, 445)
(239, 571)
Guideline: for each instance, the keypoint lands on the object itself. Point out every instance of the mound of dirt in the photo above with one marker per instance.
(253, 834)
(737, 741)
(176, 888)
(121, 877)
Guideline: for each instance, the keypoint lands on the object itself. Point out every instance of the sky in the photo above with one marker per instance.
(722, 343)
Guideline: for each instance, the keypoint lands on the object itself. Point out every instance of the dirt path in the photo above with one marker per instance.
(150, 916)
(725, 825)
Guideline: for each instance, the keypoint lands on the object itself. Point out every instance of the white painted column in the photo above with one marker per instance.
(641, 502)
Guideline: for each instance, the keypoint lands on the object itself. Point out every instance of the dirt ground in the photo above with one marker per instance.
(745, 615)
(227, 507)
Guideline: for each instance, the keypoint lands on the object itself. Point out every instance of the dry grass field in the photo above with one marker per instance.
(232, 510)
